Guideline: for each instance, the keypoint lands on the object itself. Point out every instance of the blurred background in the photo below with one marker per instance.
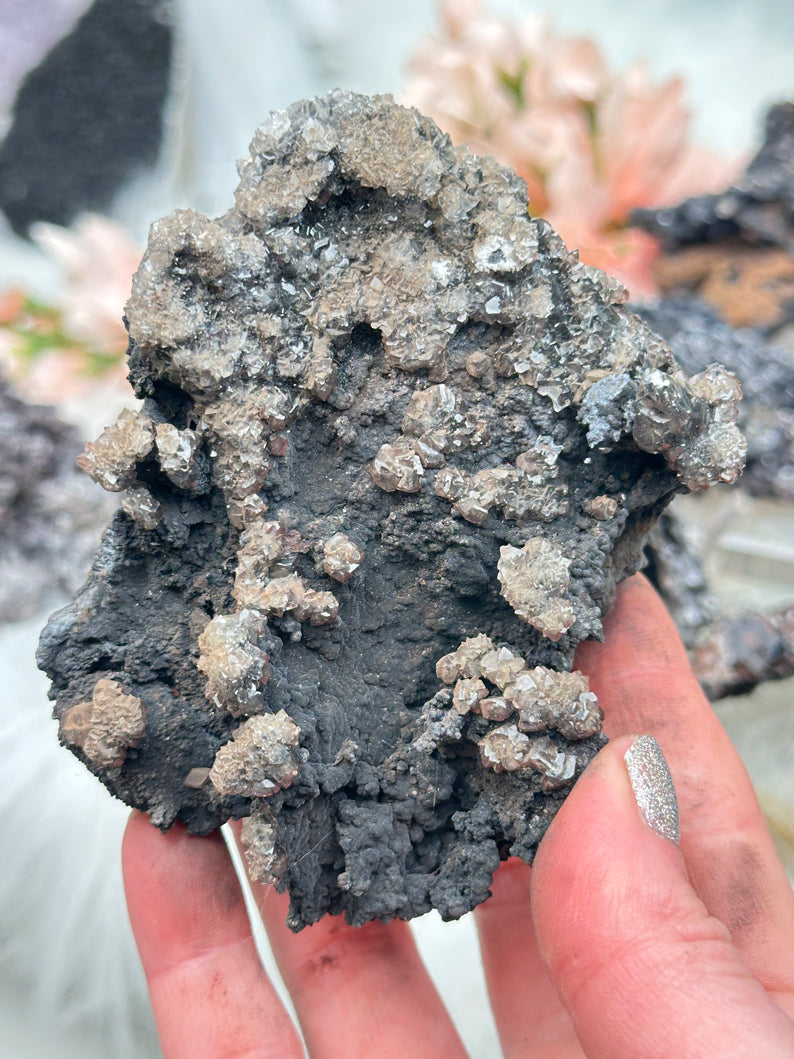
(113, 114)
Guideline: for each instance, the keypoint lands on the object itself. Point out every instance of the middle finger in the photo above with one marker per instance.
(358, 990)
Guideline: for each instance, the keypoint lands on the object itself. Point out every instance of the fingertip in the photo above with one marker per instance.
(165, 856)
(510, 886)
(613, 907)
(644, 683)
(507, 912)
(637, 589)
(599, 818)
(181, 890)
(142, 838)
(603, 868)
(137, 824)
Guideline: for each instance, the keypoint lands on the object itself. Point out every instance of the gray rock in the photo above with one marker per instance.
(758, 208)
(50, 515)
(735, 650)
(384, 366)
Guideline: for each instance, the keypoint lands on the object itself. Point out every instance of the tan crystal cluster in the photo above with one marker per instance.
(525, 489)
(112, 459)
(142, 507)
(495, 682)
(535, 580)
(265, 581)
(259, 835)
(437, 424)
(260, 759)
(178, 453)
(690, 422)
(107, 727)
(341, 557)
(662, 424)
(235, 667)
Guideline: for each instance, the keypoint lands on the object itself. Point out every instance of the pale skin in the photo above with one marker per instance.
(616, 944)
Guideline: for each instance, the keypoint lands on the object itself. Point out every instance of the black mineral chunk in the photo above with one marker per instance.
(396, 449)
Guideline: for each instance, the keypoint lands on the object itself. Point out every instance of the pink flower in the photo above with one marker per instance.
(590, 145)
(99, 257)
(55, 353)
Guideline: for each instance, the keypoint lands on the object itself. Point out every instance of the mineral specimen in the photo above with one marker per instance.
(50, 515)
(732, 651)
(736, 249)
(766, 373)
(759, 207)
(739, 650)
(390, 506)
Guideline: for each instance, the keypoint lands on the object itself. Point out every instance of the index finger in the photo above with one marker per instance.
(210, 997)
(645, 685)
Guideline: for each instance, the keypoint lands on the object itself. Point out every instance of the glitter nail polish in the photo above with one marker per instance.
(653, 786)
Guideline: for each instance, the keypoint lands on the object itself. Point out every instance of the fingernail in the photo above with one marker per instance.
(653, 786)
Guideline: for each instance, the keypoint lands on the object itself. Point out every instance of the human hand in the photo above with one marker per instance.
(624, 946)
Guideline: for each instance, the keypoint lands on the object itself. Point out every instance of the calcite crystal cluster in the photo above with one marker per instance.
(695, 334)
(397, 446)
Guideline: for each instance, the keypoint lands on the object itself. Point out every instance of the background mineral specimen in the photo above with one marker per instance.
(50, 515)
(735, 650)
(397, 447)
(735, 249)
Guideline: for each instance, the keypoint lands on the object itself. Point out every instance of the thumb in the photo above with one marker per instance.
(642, 967)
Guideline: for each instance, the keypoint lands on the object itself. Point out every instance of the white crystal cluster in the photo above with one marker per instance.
(494, 682)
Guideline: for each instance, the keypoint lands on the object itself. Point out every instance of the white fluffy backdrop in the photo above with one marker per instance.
(70, 983)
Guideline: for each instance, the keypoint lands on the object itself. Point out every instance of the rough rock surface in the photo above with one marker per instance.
(675, 568)
(731, 652)
(742, 649)
(370, 387)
